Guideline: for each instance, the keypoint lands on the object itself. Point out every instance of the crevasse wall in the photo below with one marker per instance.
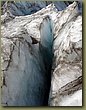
(27, 57)
(27, 74)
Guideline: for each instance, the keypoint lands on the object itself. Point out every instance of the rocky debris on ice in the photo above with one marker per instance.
(67, 59)
(28, 44)
(22, 8)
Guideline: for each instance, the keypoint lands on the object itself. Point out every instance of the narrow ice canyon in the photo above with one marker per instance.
(41, 55)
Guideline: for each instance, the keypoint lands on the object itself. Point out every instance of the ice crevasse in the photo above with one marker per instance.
(42, 58)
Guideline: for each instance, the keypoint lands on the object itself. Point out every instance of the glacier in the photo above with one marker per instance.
(41, 55)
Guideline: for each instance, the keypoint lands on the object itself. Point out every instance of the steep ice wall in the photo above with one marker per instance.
(27, 44)
(26, 73)
(66, 79)
(45, 47)
(46, 40)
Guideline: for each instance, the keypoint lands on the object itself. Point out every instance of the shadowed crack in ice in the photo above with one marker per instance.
(29, 70)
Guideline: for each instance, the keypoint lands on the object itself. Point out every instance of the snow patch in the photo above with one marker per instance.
(72, 100)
